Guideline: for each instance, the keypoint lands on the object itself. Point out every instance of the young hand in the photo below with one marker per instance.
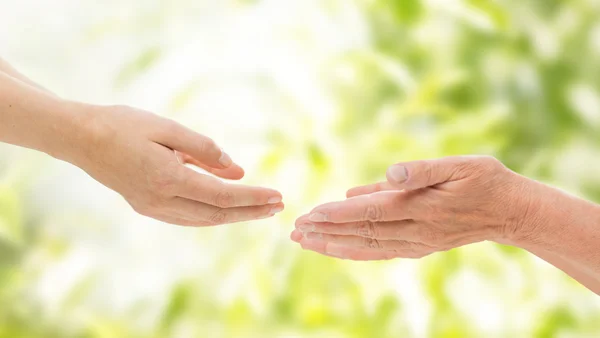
(141, 155)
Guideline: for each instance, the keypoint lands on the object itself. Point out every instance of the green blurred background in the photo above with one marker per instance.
(312, 97)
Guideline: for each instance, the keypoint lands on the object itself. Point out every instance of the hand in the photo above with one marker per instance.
(424, 207)
(141, 155)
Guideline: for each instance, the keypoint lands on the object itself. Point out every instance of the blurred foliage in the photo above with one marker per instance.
(436, 78)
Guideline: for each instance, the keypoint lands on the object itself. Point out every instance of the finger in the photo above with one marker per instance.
(201, 214)
(403, 248)
(426, 173)
(407, 230)
(235, 172)
(177, 137)
(422, 174)
(210, 190)
(184, 222)
(296, 236)
(383, 206)
(342, 252)
(173, 220)
(369, 189)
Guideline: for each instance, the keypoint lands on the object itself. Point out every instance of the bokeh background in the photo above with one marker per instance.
(312, 97)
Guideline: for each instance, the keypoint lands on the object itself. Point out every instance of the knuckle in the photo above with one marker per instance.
(366, 229)
(224, 199)
(469, 167)
(218, 217)
(428, 172)
(486, 163)
(407, 247)
(374, 213)
(430, 236)
(415, 248)
(490, 160)
(372, 243)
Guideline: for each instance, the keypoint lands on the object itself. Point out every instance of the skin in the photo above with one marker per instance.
(135, 153)
(424, 207)
(437, 205)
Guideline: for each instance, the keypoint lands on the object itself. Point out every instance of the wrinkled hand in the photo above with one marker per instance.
(141, 155)
(424, 207)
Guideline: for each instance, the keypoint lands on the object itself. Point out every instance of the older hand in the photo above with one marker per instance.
(426, 206)
(141, 155)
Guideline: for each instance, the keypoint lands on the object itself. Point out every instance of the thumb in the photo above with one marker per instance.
(426, 173)
(200, 147)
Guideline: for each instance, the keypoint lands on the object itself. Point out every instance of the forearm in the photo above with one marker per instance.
(38, 120)
(587, 278)
(565, 231)
(6, 68)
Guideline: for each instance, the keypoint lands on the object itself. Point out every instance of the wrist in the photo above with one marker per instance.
(563, 225)
(527, 215)
(73, 131)
(550, 217)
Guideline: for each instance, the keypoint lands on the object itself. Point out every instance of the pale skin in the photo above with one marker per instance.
(138, 154)
(437, 205)
(424, 207)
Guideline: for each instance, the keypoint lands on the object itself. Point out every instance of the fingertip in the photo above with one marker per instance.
(275, 198)
(352, 192)
(233, 172)
(224, 159)
(241, 172)
(296, 236)
(322, 212)
(277, 208)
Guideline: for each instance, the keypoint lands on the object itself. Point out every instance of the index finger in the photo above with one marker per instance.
(177, 137)
(210, 190)
(343, 252)
(370, 189)
(378, 207)
(234, 172)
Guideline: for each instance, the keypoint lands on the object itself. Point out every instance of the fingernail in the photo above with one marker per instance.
(312, 235)
(276, 210)
(318, 217)
(225, 160)
(335, 250)
(306, 227)
(274, 200)
(398, 173)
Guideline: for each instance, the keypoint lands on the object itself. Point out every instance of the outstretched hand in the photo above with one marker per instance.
(424, 207)
(142, 156)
